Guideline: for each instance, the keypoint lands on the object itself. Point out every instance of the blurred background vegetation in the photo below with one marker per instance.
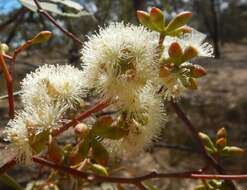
(220, 101)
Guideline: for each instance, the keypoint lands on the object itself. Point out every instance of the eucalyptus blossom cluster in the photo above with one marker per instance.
(136, 69)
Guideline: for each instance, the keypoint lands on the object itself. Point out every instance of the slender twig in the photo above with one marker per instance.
(194, 132)
(53, 21)
(9, 84)
(7, 166)
(98, 107)
(202, 149)
(7, 57)
(13, 18)
(16, 53)
(135, 180)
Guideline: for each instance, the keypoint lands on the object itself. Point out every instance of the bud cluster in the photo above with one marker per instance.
(181, 44)
(220, 148)
(155, 20)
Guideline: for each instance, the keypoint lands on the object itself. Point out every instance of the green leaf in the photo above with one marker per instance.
(100, 154)
(144, 18)
(180, 31)
(39, 141)
(157, 19)
(104, 127)
(66, 8)
(84, 147)
(10, 182)
(178, 21)
(55, 152)
(114, 133)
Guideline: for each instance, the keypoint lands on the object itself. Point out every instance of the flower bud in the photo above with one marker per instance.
(82, 130)
(3, 48)
(197, 71)
(189, 53)
(157, 19)
(221, 133)
(179, 20)
(221, 142)
(41, 37)
(175, 50)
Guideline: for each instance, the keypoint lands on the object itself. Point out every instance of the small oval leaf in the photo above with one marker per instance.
(66, 8)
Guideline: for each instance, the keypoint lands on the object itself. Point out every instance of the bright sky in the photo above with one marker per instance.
(8, 5)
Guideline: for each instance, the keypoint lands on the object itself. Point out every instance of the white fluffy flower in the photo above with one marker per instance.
(119, 60)
(31, 122)
(62, 84)
(17, 134)
(144, 125)
(45, 117)
(195, 39)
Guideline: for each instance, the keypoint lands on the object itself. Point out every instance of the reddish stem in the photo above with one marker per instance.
(202, 149)
(9, 84)
(135, 180)
(98, 107)
(53, 21)
(7, 166)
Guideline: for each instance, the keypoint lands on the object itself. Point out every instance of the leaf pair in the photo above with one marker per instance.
(155, 20)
